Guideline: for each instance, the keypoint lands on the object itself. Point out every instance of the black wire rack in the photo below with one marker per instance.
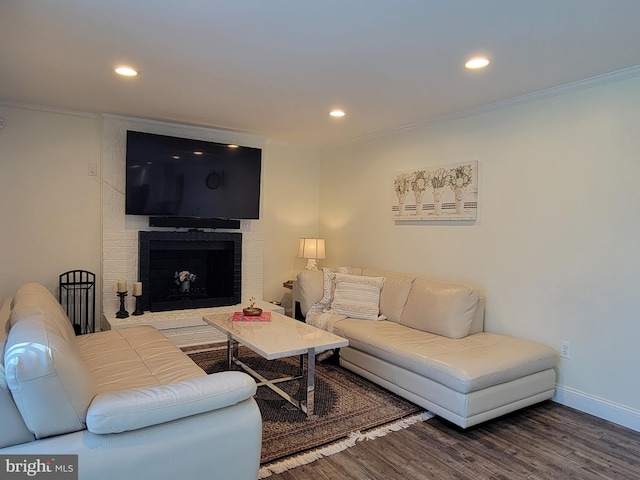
(77, 295)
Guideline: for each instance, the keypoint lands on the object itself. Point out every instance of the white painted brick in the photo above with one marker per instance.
(120, 231)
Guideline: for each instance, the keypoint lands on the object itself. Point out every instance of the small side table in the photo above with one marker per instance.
(296, 312)
(289, 286)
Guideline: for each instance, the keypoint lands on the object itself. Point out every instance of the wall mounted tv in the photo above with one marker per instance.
(179, 177)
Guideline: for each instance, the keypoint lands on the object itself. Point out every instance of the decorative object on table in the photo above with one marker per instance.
(184, 279)
(242, 317)
(137, 292)
(252, 310)
(122, 313)
(454, 193)
(311, 249)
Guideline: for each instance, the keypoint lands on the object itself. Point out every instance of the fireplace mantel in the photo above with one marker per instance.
(183, 327)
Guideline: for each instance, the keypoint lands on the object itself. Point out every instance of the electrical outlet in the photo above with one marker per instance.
(93, 169)
(565, 349)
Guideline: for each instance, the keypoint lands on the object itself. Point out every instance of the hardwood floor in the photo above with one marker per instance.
(547, 441)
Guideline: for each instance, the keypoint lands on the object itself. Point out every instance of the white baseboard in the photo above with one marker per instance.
(599, 407)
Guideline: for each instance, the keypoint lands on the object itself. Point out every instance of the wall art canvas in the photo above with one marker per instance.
(444, 192)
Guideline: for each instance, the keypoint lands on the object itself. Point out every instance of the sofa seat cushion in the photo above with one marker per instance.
(465, 365)
(135, 357)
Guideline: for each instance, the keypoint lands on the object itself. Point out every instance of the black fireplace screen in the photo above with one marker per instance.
(181, 270)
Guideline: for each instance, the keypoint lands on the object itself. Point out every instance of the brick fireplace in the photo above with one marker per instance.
(214, 258)
(120, 249)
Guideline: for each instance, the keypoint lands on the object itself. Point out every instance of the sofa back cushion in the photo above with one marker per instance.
(394, 294)
(5, 323)
(35, 300)
(49, 382)
(446, 309)
(13, 430)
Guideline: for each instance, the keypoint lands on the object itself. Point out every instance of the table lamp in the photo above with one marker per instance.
(311, 249)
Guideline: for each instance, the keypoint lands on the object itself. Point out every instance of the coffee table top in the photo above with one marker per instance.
(281, 337)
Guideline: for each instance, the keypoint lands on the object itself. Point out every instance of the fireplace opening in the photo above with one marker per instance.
(182, 270)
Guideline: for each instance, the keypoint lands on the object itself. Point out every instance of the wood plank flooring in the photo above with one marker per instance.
(547, 441)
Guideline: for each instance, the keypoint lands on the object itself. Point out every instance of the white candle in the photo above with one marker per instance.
(137, 289)
(122, 286)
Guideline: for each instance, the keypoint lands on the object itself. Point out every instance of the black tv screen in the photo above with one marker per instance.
(170, 176)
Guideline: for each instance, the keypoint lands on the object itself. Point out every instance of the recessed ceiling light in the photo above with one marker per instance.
(337, 113)
(477, 62)
(231, 145)
(126, 71)
(198, 152)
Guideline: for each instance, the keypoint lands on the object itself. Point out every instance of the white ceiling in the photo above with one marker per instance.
(275, 68)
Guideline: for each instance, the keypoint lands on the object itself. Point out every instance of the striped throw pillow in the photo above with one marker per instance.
(357, 297)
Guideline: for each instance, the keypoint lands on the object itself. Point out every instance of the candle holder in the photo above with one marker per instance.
(138, 310)
(122, 313)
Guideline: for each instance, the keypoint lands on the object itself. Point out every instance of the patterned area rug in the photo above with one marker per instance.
(348, 408)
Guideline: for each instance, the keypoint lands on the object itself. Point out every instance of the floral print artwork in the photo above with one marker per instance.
(445, 192)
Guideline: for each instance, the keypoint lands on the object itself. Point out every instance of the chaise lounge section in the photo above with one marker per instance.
(429, 345)
(128, 402)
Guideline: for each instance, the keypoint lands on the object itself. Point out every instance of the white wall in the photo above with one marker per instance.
(291, 183)
(49, 205)
(555, 246)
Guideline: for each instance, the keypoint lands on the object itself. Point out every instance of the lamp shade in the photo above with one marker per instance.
(311, 248)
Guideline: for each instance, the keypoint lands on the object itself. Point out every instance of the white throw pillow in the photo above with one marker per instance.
(356, 296)
(329, 284)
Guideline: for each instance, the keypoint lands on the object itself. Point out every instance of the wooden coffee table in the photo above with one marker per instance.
(281, 337)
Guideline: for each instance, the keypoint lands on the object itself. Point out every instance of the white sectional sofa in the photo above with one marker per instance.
(128, 402)
(431, 348)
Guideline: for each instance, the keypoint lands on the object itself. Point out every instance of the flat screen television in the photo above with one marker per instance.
(179, 177)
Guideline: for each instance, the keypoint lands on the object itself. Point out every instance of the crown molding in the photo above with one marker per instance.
(44, 108)
(231, 136)
(567, 88)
